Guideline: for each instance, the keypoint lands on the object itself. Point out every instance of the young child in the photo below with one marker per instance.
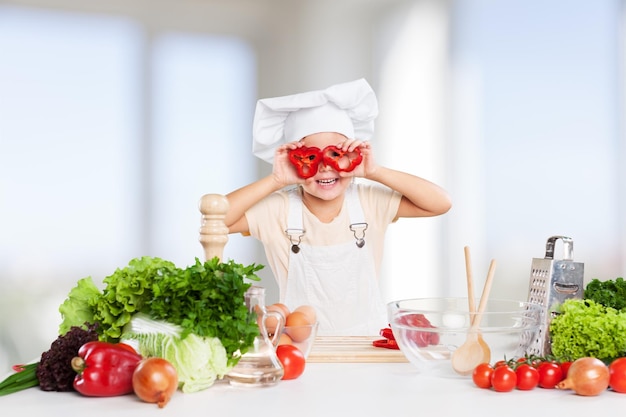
(323, 232)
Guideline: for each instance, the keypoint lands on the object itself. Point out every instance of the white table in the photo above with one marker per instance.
(330, 389)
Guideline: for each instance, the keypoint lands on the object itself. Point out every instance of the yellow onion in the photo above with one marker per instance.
(587, 377)
(155, 380)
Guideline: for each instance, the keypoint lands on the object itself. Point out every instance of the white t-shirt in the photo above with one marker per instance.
(267, 221)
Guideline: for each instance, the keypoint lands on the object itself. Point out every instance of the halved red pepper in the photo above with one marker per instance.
(104, 369)
(306, 160)
(341, 160)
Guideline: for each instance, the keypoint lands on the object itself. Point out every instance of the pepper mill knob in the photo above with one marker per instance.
(213, 230)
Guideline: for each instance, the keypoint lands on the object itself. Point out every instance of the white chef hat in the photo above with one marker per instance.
(349, 108)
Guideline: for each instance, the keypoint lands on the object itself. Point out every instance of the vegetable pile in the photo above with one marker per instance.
(197, 317)
(585, 376)
(588, 348)
(194, 318)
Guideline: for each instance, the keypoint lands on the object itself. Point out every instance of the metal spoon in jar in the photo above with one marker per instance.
(471, 353)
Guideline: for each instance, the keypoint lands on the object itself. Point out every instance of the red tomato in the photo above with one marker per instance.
(292, 359)
(527, 377)
(482, 375)
(500, 363)
(503, 379)
(550, 374)
(565, 367)
(617, 372)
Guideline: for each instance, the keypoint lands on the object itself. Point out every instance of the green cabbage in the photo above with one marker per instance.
(199, 361)
(586, 328)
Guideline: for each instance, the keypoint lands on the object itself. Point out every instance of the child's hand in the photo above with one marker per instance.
(284, 172)
(368, 166)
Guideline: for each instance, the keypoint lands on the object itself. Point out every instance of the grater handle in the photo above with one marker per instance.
(568, 247)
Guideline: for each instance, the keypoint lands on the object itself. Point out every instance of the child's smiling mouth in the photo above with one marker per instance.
(327, 181)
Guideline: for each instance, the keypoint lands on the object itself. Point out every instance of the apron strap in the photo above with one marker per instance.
(295, 230)
(358, 226)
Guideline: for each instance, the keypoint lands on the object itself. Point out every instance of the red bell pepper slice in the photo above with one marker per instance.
(421, 338)
(389, 341)
(104, 369)
(386, 343)
(306, 160)
(340, 160)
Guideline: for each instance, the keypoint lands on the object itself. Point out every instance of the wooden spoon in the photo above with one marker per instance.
(472, 306)
(471, 353)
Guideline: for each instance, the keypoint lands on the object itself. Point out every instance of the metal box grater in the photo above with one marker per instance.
(552, 282)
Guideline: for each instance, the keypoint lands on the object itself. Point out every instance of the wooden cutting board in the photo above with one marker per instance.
(357, 349)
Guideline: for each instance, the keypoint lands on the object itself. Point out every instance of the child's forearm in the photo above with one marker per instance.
(244, 198)
(421, 197)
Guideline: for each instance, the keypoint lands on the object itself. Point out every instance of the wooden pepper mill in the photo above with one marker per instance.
(213, 230)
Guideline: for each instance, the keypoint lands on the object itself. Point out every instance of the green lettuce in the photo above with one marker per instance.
(586, 328)
(199, 361)
(80, 306)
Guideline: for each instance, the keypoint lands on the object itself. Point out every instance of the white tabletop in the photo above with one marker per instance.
(330, 389)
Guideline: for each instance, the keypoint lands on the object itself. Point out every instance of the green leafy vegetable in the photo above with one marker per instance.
(128, 291)
(205, 299)
(198, 360)
(609, 293)
(587, 328)
(79, 307)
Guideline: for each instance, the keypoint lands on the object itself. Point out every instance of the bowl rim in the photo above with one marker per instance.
(524, 307)
(521, 303)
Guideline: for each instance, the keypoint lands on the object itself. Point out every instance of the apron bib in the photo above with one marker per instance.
(338, 280)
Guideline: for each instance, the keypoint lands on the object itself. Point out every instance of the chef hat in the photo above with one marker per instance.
(349, 108)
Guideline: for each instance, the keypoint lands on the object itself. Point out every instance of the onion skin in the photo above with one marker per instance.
(155, 380)
(587, 377)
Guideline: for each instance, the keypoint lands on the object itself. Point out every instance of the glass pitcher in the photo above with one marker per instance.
(259, 366)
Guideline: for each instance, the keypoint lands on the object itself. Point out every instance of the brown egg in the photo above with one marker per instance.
(309, 311)
(284, 339)
(282, 307)
(272, 322)
(298, 326)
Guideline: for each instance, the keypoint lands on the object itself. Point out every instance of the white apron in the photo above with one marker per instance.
(339, 280)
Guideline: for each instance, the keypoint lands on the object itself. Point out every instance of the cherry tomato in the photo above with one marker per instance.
(617, 372)
(503, 379)
(527, 377)
(292, 359)
(565, 367)
(550, 374)
(500, 363)
(482, 375)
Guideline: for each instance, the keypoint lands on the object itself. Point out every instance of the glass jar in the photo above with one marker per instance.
(259, 366)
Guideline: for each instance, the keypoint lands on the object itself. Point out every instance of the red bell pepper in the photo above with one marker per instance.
(341, 160)
(105, 369)
(306, 160)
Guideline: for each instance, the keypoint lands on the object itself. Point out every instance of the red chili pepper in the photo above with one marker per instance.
(306, 160)
(341, 160)
(104, 369)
